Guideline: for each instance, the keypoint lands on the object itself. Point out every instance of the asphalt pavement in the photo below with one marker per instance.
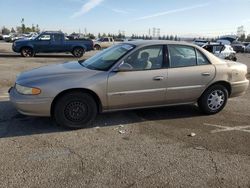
(137, 148)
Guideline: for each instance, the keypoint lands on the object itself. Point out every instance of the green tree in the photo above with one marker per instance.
(33, 28)
(171, 37)
(248, 38)
(242, 38)
(175, 38)
(37, 28)
(27, 30)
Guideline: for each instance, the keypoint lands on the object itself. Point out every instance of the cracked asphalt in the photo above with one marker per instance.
(155, 150)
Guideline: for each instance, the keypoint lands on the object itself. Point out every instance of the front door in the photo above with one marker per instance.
(189, 74)
(42, 43)
(144, 85)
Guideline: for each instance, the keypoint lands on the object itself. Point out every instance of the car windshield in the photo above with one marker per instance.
(105, 59)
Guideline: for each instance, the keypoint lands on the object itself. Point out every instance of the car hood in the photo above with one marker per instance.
(51, 71)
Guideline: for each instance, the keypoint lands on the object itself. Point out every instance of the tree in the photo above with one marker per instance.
(248, 38)
(242, 38)
(37, 28)
(19, 29)
(171, 37)
(99, 35)
(33, 28)
(91, 36)
(12, 30)
(5, 31)
(175, 38)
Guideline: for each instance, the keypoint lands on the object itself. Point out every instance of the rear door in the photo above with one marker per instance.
(188, 75)
(144, 85)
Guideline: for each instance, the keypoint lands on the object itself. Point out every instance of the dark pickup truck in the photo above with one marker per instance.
(52, 42)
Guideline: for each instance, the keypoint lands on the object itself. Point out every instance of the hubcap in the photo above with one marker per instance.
(78, 52)
(27, 52)
(76, 111)
(216, 99)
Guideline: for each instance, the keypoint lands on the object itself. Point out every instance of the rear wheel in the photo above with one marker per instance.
(27, 52)
(78, 52)
(97, 47)
(75, 110)
(213, 99)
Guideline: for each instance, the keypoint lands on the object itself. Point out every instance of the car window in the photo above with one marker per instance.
(201, 59)
(58, 37)
(44, 37)
(218, 49)
(105, 59)
(181, 56)
(146, 58)
(105, 40)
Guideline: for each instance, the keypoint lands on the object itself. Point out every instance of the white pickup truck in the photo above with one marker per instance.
(104, 42)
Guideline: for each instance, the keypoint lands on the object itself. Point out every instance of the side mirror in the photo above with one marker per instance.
(123, 67)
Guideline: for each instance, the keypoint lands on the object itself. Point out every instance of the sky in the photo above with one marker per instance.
(178, 17)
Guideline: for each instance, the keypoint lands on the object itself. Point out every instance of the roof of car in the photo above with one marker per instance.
(157, 42)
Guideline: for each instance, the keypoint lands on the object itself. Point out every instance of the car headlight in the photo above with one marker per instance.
(27, 90)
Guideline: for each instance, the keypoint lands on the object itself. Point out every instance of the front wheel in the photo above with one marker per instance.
(78, 52)
(213, 100)
(75, 110)
(27, 52)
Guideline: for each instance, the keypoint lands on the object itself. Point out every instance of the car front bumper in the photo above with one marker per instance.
(30, 105)
(239, 88)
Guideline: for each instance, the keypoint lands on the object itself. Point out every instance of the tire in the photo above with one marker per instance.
(78, 52)
(75, 110)
(213, 100)
(97, 47)
(27, 52)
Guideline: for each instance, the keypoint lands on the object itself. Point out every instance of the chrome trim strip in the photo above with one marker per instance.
(137, 91)
(186, 87)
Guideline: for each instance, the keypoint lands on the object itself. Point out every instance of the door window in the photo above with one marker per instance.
(181, 56)
(146, 58)
(201, 59)
(44, 37)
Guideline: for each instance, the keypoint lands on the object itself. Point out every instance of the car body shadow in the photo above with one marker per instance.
(14, 124)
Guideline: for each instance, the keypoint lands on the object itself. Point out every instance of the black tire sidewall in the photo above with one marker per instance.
(29, 49)
(97, 47)
(63, 101)
(202, 102)
(78, 48)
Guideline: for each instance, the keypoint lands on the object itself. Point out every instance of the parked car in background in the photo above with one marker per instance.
(1, 37)
(75, 36)
(227, 39)
(131, 75)
(222, 51)
(200, 42)
(238, 47)
(51, 42)
(104, 42)
(247, 48)
(5, 36)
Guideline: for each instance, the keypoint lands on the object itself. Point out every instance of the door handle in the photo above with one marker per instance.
(205, 74)
(158, 78)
